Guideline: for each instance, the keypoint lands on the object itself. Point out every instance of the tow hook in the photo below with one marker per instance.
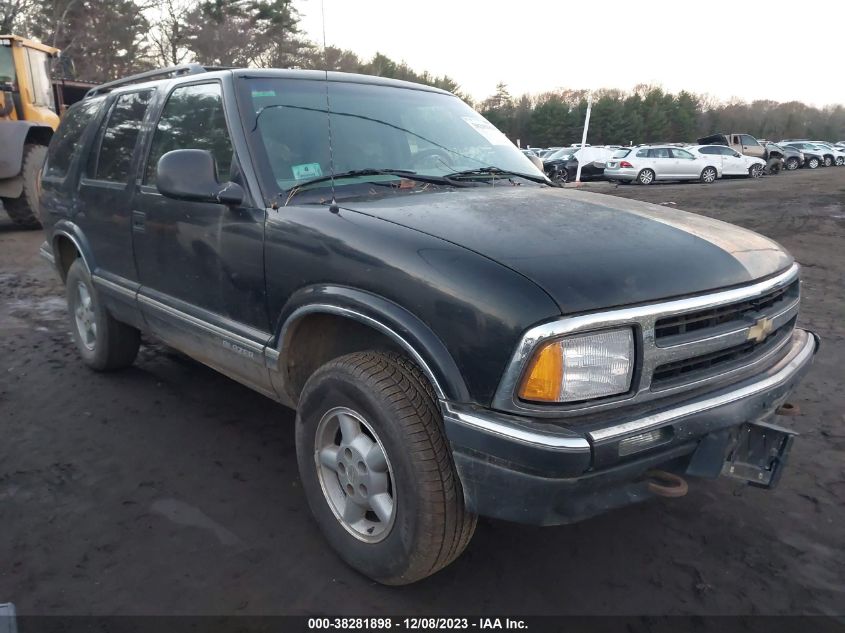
(666, 484)
(787, 408)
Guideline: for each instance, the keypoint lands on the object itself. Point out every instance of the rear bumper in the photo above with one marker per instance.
(530, 471)
(620, 174)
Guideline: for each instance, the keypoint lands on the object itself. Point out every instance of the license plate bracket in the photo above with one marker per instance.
(758, 454)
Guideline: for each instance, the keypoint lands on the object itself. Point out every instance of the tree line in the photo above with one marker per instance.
(108, 39)
(649, 114)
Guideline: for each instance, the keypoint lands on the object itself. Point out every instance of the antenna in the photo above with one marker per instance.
(333, 206)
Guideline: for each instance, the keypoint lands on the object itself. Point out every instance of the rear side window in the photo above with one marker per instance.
(682, 153)
(659, 152)
(642, 153)
(66, 142)
(708, 150)
(192, 118)
(117, 143)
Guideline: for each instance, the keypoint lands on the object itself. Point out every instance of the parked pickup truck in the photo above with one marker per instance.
(458, 336)
(749, 146)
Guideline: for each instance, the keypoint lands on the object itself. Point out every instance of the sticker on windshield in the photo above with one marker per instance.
(263, 93)
(306, 171)
(487, 130)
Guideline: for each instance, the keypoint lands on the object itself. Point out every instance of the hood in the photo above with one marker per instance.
(588, 251)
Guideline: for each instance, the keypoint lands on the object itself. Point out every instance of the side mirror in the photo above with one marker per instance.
(190, 174)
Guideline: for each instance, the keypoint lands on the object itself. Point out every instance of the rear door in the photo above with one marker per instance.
(105, 192)
(201, 265)
(733, 164)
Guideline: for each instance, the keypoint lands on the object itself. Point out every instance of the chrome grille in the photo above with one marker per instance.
(700, 341)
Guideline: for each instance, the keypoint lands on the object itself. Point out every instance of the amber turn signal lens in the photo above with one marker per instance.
(545, 375)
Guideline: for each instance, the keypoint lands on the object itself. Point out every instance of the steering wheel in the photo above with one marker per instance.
(435, 157)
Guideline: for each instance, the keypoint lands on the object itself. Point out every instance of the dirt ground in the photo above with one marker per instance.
(169, 489)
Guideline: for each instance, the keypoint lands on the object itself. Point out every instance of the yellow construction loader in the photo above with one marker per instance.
(28, 118)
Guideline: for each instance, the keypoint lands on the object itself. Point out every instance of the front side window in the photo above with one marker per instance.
(749, 141)
(66, 142)
(193, 118)
(372, 127)
(114, 159)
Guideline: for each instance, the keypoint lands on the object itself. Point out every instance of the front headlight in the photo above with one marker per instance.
(580, 367)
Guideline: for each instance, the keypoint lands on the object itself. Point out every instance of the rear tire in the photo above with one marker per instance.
(560, 176)
(709, 175)
(24, 211)
(386, 406)
(792, 164)
(828, 161)
(645, 177)
(813, 163)
(104, 343)
(840, 160)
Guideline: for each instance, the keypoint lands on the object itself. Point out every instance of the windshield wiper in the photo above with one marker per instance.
(495, 171)
(402, 173)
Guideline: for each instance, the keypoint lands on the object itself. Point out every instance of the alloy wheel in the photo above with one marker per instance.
(86, 323)
(355, 474)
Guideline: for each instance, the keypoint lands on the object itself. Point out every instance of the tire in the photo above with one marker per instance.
(385, 399)
(645, 177)
(709, 175)
(840, 160)
(828, 161)
(792, 164)
(104, 343)
(755, 171)
(560, 176)
(813, 162)
(24, 210)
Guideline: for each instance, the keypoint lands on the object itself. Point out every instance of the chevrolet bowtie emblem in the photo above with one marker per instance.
(760, 330)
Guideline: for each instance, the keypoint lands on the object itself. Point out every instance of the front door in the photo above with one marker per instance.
(201, 264)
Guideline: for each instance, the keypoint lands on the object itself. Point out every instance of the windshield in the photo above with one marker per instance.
(7, 65)
(566, 152)
(372, 127)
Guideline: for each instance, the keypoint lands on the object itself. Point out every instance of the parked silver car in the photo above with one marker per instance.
(732, 162)
(646, 164)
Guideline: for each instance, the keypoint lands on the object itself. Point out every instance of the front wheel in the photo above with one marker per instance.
(755, 171)
(561, 176)
(645, 177)
(377, 470)
(828, 161)
(840, 160)
(813, 163)
(709, 175)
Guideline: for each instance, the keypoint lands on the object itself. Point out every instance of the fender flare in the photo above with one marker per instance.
(389, 318)
(13, 136)
(69, 230)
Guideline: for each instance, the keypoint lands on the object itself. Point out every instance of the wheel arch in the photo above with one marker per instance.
(14, 135)
(324, 322)
(68, 244)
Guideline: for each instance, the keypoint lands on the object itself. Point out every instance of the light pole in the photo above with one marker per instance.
(584, 136)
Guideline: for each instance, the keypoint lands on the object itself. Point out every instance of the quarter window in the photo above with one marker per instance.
(67, 139)
(192, 118)
(119, 137)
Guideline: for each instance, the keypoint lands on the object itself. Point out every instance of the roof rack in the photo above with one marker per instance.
(171, 71)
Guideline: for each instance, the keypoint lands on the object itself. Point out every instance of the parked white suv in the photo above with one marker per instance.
(646, 164)
(732, 162)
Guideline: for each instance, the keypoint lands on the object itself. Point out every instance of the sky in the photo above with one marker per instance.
(775, 49)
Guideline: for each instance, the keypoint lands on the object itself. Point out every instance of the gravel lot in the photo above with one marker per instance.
(170, 489)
